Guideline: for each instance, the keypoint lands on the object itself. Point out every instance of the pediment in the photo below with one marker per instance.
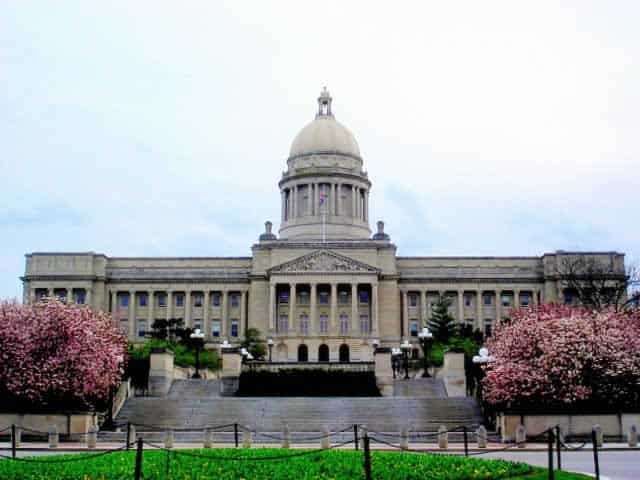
(323, 261)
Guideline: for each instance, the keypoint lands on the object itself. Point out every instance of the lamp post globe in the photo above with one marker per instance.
(270, 345)
(426, 337)
(197, 337)
(405, 347)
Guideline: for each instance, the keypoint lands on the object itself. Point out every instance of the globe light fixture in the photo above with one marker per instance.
(425, 337)
(270, 345)
(197, 337)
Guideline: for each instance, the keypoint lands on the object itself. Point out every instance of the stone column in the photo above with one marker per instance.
(187, 309)
(292, 307)
(243, 313)
(225, 314)
(339, 199)
(272, 306)
(366, 205)
(354, 308)
(132, 315)
(534, 297)
(205, 313)
(114, 303)
(69, 296)
(479, 310)
(334, 307)
(460, 312)
(313, 327)
(353, 201)
(150, 307)
(316, 200)
(87, 298)
(516, 299)
(423, 307)
(374, 308)
(294, 202)
(310, 197)
(283, 199)
(498, 305)
(169, 306)
(405, 314)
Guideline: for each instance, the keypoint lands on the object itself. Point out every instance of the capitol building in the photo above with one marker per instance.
(323, 288)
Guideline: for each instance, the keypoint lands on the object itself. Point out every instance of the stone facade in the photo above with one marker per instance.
(323, 289)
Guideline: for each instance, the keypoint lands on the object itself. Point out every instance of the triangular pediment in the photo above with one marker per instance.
(323, 261)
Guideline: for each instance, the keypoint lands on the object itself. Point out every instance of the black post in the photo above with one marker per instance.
(128, 435)
(405, 355)
(367, 457)
(596, 463)
(558, 447)
(109, 421)
(355, 435)
(550, 451)
(466, 441)
(235, 433)
(13, 441)
(270, 350)
(197, 374)
(138, 471)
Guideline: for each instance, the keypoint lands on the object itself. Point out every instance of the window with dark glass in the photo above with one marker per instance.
(487, 300)
(197, 300)
(344, 323)
(343, 297)
(142, 300)
(235, 300)
(142, 328)
(324, 297)
(414, 328)
(525, 299)
(80, 297)
(467, 300)
(179, 300)
(124, 300)
(197, 325)
(215, 299)
(283, 297)
(215, 328)
(234, 328)
(365, 327)
(364, 296)
(413, 300)
(162, 300)
(324, 323)
(568, 297)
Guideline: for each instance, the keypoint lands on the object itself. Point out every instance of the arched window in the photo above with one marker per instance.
(304, 324)
(344, 353)
(344, 324)
(323, 353)
(303, 353)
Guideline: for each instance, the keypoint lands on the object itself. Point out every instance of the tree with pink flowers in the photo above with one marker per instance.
(58, 356)
(561, 356)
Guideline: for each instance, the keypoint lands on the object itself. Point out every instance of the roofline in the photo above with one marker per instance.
(454, 257)
(132, 258)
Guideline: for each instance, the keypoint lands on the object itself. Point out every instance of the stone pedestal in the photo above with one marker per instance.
(455, 380)
(230, 372)
(160, 372)
(384, 373)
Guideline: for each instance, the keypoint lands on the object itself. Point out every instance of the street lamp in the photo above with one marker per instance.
(405, 347)
(375, 342)
(482, 358)
(197, 337)
(426, 337)
(395, 352)
(270, 344)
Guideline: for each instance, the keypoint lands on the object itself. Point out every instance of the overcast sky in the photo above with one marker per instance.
(162, 128)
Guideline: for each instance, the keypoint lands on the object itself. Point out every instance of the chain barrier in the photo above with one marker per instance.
(85, 457)
(161, 428)
(303, 439)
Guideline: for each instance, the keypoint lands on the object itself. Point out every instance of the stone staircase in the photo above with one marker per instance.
(194, 404)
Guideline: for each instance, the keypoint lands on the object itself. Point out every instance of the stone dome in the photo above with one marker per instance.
(324, 134)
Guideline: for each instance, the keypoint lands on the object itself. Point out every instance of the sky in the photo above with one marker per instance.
(156, 128)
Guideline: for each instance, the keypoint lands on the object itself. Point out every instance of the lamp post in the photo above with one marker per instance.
(395, 366)
(405, 347)
(270, 345)
(112, 390)
(426, 337)
(197, 337)
(375, 342)
(482, 358)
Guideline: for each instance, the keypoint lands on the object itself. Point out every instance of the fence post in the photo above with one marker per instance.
(235, 433)
(92, 437)
(53, 437)
(168, 438)
(13, 441)
(128, 435)
(355, 436)
(550, 452)
(246, 438)
(324, 440)
(443, 437)
(466, 441)
(596, 463)
(632, 438)
(558, 447)
(208, 434)
(367, 457)
(404, 438)
(138, 470)
(521, 436)
(599, 435)
(482, 436)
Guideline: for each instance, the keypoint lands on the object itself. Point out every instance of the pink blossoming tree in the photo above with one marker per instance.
(558, 356)
(54, 355)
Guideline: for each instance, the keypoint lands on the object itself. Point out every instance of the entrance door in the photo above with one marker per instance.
(344, 353)
(303, 353)
(323, 353)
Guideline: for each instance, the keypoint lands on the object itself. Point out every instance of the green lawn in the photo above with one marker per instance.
(328, 464)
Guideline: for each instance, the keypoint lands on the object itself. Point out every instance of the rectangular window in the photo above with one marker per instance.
(467, 300)
(304, 324)
(142, 300)
(413, 300)
(506, 301)
(41, 293)
(179, 300)
(142, 328)
(343, 297)
(487, 300)
(364, 296)
(525, 299)
(568, 297)
(198, 299)
(324, 323)
(344, 324)
(414, 328)
(124, 300)
(283, 298)
(487, 327)
(324, 297)
(162, 300)
(235, 327)
(283, 324)
(215, 299)
(197, 325)
(364, 324)
(215, 328)
(80, 297)
(235, 300)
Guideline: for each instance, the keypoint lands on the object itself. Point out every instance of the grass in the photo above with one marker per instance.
(328, 464)
(183, 355)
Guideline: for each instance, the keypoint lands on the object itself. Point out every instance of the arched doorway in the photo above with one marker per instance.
(344, 353)
(303, 353)
(323, 353)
